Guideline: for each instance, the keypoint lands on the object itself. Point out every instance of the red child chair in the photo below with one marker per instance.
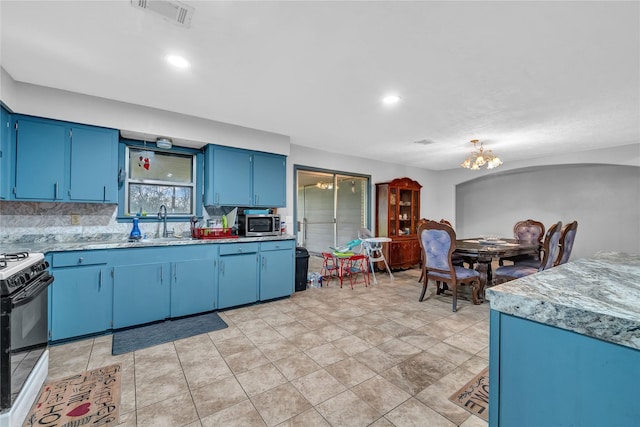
(330, 267)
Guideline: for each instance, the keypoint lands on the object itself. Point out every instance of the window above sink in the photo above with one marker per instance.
(150, 177)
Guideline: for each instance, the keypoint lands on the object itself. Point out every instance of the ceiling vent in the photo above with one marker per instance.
(174, 11)
(424, 142)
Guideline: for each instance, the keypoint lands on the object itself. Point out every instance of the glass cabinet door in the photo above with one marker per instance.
(405, 212)
(393, 211)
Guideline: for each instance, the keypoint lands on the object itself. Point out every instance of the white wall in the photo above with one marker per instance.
(604, 199)
(137, 120)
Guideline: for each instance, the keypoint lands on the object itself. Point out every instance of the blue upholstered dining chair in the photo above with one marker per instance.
(528, 231)
(438, 242)
(525, 268)
(567, 237)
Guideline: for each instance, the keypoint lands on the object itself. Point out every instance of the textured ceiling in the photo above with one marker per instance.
(527, 78)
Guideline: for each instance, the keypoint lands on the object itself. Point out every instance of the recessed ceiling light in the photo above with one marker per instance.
(391, 99)
(177, 61)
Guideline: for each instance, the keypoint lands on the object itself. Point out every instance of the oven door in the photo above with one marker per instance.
(23, 336)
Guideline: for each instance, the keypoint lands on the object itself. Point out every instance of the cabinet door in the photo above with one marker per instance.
(269, 180)
(40, 159)
(140, 294)
(94, 164)
(80, 301)
(193, 287)
(238, 280)
(231, 177)
(276, 274)
(5, 152)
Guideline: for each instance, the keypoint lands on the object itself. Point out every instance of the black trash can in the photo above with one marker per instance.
(302, 268)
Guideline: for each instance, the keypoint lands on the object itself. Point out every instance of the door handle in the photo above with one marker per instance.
(104, 193)
(55, 193)
(100, 280)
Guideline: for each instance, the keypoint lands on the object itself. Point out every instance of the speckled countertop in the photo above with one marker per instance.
(55, 246)
(597, 297)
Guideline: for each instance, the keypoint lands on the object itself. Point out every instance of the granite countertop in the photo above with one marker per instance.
(58, 246)
(597, 297)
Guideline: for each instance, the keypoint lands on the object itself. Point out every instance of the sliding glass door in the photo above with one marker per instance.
(330, 208)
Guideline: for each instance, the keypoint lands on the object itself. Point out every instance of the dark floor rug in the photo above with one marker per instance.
(170, 330)
(474, 396)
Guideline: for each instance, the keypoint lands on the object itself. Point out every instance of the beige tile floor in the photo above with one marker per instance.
(324, 357)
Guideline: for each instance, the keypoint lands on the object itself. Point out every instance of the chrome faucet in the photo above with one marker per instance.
(162, 215)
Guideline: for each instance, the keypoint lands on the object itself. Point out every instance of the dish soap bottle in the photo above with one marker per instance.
(135, 231)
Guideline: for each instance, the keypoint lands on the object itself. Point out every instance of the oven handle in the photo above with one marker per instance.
(29, 293)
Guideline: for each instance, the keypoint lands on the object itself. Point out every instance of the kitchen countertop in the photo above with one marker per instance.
(597, 297)
(56, 246)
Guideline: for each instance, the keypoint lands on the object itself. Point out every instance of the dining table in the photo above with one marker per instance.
(482, 252)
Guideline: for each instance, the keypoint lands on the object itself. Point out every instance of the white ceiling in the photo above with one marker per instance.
(527, 78)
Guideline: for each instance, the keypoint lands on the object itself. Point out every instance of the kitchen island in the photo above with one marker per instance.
(105, 285)
(565, 345)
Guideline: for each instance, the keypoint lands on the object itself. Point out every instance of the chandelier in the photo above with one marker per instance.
(480, 157)
(324, 185)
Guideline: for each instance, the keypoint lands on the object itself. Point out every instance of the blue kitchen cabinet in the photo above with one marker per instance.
(540, 375)
(156, 283)
(236, 177)
(80, 297)
(5, 153)
(141, 293)
(269, 180)
(277, 269)
(41, 159)
(94, 164)
(192, 289)
(61, 161)
(227, 176)
(238, 274)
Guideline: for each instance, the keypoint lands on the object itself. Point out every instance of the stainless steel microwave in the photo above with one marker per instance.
(256, 225)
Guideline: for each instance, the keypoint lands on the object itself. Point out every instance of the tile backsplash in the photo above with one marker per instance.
(24, 222)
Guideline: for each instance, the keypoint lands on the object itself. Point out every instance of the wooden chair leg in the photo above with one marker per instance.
(454, 291)
(424, 289)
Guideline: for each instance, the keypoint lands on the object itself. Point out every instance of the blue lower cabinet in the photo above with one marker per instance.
(277, 269)
(193, 287)
(141, 294)
(238, 279)
(540, 375)
(80, 301)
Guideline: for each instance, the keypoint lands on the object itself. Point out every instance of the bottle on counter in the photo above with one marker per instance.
(135, 234)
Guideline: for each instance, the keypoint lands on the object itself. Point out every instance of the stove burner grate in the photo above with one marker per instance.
(15, 256)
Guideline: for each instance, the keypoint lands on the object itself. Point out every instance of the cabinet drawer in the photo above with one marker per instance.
(238, 248)
(77, 258)
(277, 245)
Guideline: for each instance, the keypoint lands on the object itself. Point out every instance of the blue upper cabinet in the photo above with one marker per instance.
(94, 160)
(227, 176)
(269, 177)
(60, 161)
(236, 177)
(41, 159)
(5, 153)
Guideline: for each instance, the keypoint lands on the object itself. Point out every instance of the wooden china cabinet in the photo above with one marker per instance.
(398, 212)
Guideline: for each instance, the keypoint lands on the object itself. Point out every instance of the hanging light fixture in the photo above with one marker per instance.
(481, 157)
